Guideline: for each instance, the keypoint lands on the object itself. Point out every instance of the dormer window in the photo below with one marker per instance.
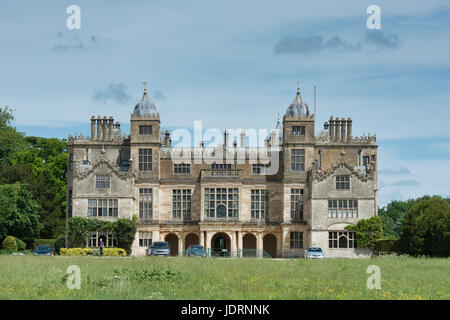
(298, 130)
(146, 129)
(102, 182)
(342, 182)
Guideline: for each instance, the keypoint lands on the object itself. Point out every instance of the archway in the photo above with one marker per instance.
(342, 242)
(190, 240)
(249, 245)
(220, 244)
(102, 237)
(270, 245)
(172, 239)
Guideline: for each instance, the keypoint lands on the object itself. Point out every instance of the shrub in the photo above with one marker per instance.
(60, 243)
(75, 251)
(9, 243)
(368, 231)
(114, 252)
(387, 245)
(125, 231)
(21, 246)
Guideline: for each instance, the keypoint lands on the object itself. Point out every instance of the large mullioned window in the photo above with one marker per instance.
(341, 239)
(103, 208)
(182, 168)
(145, 159)
(221, 202)
(297, 160)
(296, 240)
(342, 208)
(259, 204)
(145, 204)
(297, 204)
(181, 204)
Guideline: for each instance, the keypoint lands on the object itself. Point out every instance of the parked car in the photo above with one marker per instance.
(43, 250)
(159, 248)
(314, 253)
(196, 251)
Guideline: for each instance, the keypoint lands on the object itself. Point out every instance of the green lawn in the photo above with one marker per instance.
(29, 277)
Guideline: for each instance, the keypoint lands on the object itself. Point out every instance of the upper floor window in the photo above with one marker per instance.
(342, 182)
(102, 182)
(366, 161)
(342, 208)
(221, 166)
(297, 204)
(71, 161)
(182, 168)
(341, 239)
(298, 130)
(259, 204)
(145, 159)
(296, 240)
(181, 204)
(103, 208)
(221, 202)
(298, 160)
(145, 203)
(146, 129)
(259, 168)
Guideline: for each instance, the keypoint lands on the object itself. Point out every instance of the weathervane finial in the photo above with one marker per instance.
(145, 86)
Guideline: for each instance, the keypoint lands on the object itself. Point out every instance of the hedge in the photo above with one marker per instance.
(387, 245)
(75, 251)
(21, 246)
(114, 252)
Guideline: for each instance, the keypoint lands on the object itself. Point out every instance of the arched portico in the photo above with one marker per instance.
(220, 244)
(270, 245)
(172, 239)
(249, 245)
(190, 240)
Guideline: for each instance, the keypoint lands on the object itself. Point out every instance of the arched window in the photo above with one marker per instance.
(342, 241)
(221, 211)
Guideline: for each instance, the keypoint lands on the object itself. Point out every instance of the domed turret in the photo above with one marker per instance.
(298, 107)
(145, 106)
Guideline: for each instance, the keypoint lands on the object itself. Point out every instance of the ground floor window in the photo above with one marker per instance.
(296, 240)
(145, 239)
(341, 239)
(106, 236)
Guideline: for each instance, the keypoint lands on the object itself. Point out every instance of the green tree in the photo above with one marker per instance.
(426, 228)
(10, 139)
(368, 231)
(125, 231)
(18, 213)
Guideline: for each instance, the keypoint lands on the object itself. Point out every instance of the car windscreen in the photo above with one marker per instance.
(197, 249)
(160, 245)
(43, 248)
(315, 250)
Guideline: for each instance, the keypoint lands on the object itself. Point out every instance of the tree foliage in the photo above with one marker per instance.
(426, 228)
(368, 231)
(10, 139)
(18, 213)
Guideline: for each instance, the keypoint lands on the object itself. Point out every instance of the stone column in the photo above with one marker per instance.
(280, 245)
(208, 242)
(285, 240)
(180, 244)
(349, 129)
(242, 139)
(92, 128)
(110, 128)
(202, 239)
(343, 128)
(259, 244)
(99, 128)
(233, 244)
(331, 122)
(337, 132)
(240, 246)
(104, 125)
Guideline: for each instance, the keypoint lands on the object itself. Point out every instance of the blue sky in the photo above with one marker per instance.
(234, 64)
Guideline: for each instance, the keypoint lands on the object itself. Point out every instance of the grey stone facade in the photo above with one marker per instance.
(308, 205)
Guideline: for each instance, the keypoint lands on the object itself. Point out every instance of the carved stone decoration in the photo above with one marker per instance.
(329, 172)
(103, 162)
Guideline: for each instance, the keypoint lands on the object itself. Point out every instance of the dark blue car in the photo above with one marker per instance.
(43, 250)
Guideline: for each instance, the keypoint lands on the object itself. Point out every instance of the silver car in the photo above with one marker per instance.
(314, 253)
(159, 248)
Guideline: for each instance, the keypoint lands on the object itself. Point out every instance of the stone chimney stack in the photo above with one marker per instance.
(331, 121)
(167, 140)
(110, 128)
(325, 125)
(242, 139)
(349, 129)
(118, 125)
(343, 130)
(337, 132)
(266, 142)
(99, 128)
(104, 127)
(92, 128)
(225, 139)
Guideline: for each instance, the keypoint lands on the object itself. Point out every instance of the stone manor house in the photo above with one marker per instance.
(321, 184)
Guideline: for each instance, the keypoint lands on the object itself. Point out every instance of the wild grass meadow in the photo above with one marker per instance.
(29, 277)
